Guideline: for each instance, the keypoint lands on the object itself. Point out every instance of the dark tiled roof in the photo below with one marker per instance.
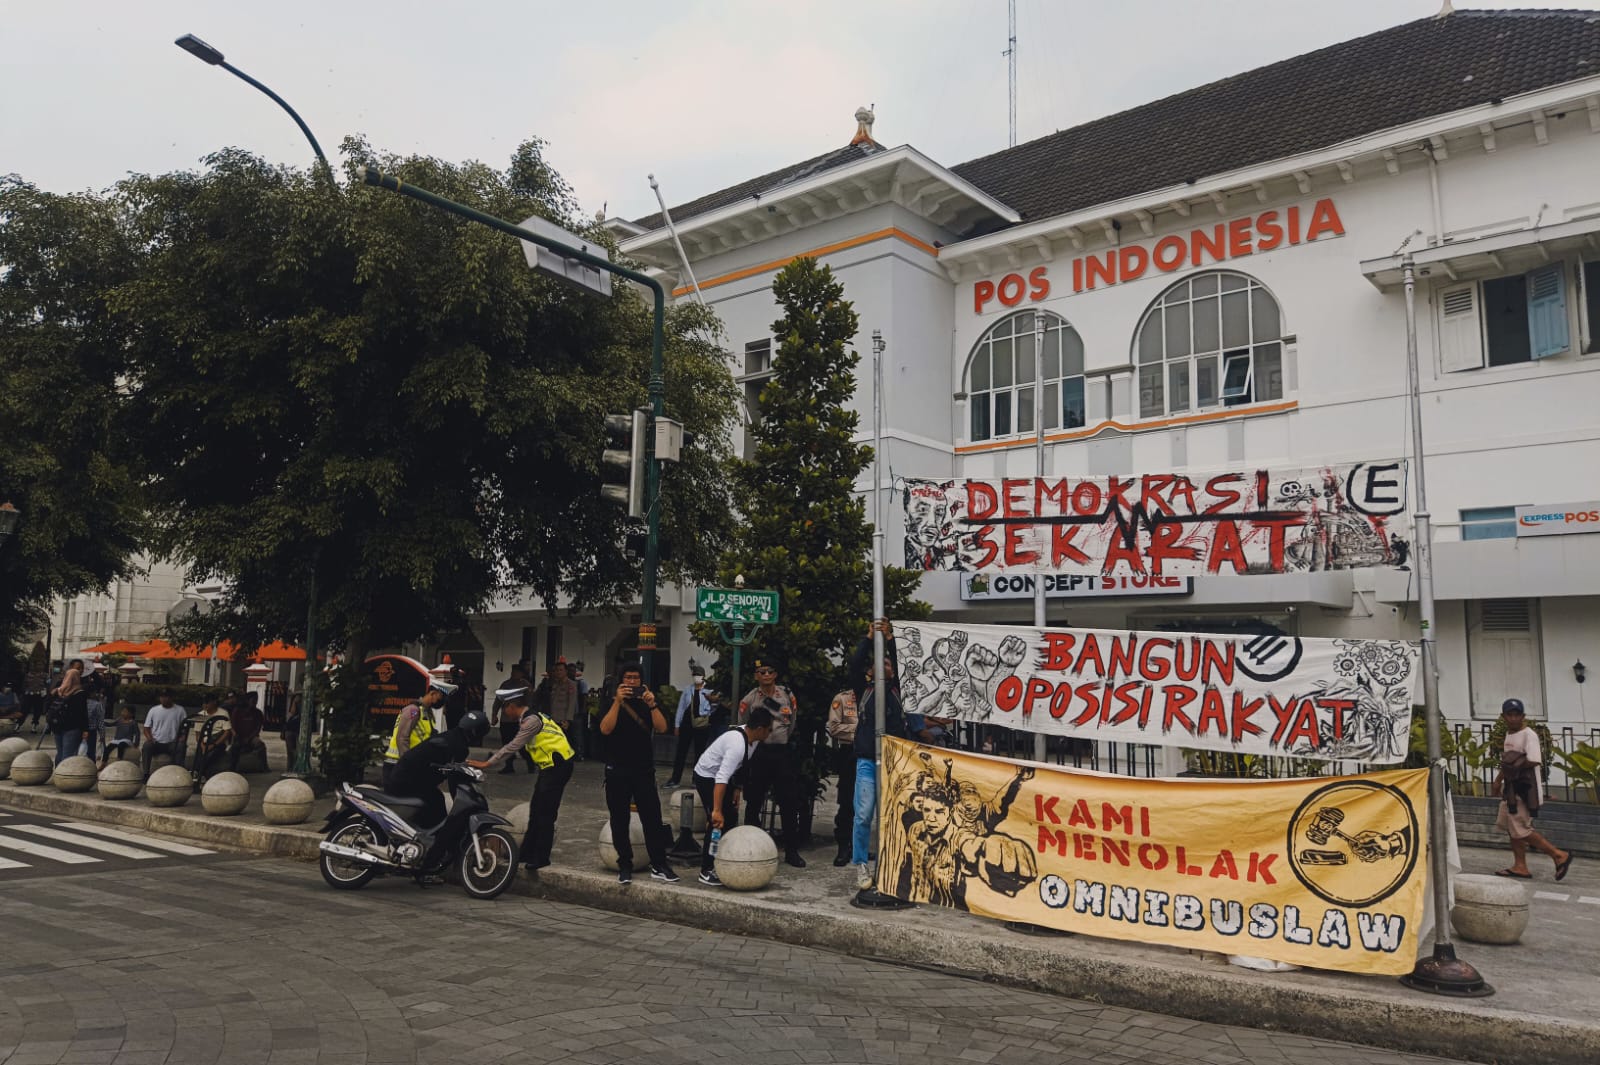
(1429, 67)
(765, 183)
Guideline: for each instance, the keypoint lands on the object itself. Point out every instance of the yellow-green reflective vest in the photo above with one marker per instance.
(419, 732)
(549, 741)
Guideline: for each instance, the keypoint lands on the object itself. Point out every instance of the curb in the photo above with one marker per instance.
(1078, 968)
(280, 841)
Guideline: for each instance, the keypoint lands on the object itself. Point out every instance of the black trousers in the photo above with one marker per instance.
(706, 788)
(638, 787)
(844, 768)
(696, 739)
(773, 769)
(542, 810)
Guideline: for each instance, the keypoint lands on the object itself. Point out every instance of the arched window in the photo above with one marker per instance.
(1000, 377)
(1211, 340)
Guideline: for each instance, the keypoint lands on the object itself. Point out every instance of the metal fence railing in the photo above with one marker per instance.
(1473, 762)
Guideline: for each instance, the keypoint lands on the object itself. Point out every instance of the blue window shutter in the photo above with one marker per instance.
(1547, 311)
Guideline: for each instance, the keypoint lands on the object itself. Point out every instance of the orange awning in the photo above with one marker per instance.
(115, 647)
(278, 651)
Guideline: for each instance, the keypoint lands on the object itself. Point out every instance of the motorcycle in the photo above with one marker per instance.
(370, 833)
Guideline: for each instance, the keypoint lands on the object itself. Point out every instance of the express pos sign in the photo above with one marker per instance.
(1556, 519)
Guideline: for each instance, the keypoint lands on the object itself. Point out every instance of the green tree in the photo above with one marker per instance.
(806, 532)
(64, 461)
(347, 382)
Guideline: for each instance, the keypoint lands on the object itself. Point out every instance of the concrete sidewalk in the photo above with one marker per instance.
(1547, 1006)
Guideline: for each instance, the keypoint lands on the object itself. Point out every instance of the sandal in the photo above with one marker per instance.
(1521, 876)
(1562, 867)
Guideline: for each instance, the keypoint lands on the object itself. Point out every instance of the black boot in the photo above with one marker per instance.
(842, 859)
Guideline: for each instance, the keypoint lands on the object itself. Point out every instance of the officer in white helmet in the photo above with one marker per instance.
(414, 725)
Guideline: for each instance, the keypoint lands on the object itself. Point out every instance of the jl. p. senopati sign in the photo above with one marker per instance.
(1269, 694)
(1244, 521)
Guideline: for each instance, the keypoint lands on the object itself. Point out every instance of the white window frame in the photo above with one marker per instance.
(1464, 329)
(1018, 328)
(1190, 369)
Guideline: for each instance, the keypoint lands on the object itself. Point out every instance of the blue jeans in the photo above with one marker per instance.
(866, 809)
(67, 745)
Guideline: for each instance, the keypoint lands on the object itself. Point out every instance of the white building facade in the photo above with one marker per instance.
(1219, 274)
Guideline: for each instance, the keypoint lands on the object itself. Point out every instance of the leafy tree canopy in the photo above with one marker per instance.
(806, 532)
(64, 460)
(348, 382)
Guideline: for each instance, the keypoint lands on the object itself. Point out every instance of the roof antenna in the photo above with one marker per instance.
(1011, 65)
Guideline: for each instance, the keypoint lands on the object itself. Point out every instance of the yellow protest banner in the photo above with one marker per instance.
(1325, 872)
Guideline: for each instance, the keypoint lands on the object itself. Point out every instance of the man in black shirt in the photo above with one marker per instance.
(629, 726)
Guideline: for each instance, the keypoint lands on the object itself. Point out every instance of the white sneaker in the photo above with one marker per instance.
(864, 879)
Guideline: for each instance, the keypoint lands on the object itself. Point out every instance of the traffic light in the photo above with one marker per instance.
(622, 461)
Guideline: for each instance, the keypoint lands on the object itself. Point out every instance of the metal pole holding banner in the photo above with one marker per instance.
(872, 898)
(1040, 747)
(1442, 973)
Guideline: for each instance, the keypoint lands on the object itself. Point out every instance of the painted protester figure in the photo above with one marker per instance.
(950, 837)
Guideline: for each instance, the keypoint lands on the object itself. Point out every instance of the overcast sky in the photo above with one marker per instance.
(703, 93)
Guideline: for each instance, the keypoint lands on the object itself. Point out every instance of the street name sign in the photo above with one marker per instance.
(750, 606)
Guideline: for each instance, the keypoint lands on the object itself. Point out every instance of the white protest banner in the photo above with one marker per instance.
(1271, 694)
(1244, 521)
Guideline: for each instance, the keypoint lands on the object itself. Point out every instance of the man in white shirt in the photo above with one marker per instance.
(1520, 786)
(162, 724)
(714, 776)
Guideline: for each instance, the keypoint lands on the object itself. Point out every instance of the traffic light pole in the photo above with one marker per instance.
(657, 392)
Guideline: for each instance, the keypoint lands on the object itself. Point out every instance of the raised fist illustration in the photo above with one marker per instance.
(981, 662)
(1007, 865)
(1013, 649)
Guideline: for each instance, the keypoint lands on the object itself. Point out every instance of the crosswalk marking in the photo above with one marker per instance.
(1589, 900)
(93, 843)
(1553, 896)
(7, 863)
(133, 837)
(39, 850)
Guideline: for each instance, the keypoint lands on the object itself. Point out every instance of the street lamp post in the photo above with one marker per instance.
(301, 765)
(658, 385)
(207, 54)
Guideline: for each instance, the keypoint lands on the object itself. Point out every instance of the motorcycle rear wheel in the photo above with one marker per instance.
(347, 875)
(498, 866)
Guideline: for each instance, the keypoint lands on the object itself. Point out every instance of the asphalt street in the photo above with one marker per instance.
(200, 959)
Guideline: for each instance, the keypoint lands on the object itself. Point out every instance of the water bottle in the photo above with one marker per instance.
(716, 841)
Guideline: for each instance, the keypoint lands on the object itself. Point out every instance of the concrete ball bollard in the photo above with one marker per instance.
(121, 780)
(9, 725)
(288, 802)
(672, 811)
(31, 768)
(225, 794)
(518, 816)
(9, 749)
(75, 774)
(170, 785)
(747, 859)
(608, 852)
(1489, 909)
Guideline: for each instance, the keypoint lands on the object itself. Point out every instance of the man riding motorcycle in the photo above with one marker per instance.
(416, 776)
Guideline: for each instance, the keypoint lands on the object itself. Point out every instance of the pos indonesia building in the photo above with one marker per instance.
(1219, 277)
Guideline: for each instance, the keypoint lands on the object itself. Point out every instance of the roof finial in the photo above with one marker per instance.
(1447, 9)
(864, 120)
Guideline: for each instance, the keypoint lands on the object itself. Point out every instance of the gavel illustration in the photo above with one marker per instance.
(1326, 827)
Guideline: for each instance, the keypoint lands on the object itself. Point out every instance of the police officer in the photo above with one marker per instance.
(413, 725)
(416, 775)
(544, 741)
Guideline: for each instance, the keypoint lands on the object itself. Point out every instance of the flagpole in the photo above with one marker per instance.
(666, 217)
(1442, 973)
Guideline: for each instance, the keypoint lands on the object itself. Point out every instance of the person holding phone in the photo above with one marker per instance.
(629, 726)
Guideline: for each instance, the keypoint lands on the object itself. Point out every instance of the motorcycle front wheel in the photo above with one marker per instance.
(488, 869)
(343, 873)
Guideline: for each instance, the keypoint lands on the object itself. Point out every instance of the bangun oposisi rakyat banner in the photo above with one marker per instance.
(1324, 872)
(1282, 695)
(1246, 521)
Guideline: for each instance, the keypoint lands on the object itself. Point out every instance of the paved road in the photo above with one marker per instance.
(256, 961)
(38, 845)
